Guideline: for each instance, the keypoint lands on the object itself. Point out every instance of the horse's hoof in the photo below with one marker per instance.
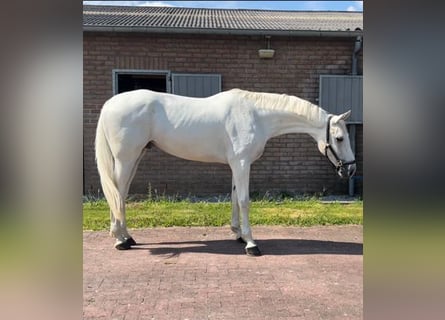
(131, 241)
(241, 240)
(253, 252)
(123, 245)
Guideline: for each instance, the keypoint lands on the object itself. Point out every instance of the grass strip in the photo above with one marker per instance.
(166, 213)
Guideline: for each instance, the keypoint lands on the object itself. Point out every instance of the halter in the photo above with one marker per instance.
(340, 163)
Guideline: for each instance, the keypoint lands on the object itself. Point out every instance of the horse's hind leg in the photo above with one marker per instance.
(124, 170)
(129, 238)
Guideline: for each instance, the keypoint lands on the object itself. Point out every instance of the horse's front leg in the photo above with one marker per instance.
(241, 172)
(235, 226)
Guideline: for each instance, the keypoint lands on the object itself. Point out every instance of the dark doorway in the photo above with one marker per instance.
(128, 82)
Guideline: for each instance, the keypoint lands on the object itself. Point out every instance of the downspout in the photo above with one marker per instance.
(357, 48)
(352, 132)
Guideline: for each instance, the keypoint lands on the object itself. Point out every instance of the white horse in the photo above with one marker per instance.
(230, 127)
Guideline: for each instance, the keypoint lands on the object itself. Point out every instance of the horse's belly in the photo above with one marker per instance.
(195, 150)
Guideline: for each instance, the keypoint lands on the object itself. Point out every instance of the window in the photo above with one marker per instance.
(185, 84)
(127, 80)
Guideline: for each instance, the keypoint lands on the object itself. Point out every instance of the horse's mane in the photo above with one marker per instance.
(284, 102)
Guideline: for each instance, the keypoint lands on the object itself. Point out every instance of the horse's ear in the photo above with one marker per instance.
(345, 115)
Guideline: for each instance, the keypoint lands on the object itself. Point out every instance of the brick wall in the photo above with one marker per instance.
(291, 163)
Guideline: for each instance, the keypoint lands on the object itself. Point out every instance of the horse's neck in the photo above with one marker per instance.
(287, 114)
(282, 122)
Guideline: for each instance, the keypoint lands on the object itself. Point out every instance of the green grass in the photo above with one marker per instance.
(165, 213)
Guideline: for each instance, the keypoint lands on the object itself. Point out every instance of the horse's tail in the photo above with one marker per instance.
(105, 166)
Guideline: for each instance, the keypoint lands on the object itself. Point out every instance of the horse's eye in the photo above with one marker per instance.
(339, 139)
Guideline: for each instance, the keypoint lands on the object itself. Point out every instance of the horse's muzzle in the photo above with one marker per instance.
(346, 171)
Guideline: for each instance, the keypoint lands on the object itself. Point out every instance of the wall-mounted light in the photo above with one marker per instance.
(266, 53)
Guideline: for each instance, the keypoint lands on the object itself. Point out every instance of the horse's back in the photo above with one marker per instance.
(128, 102)
(131, 101)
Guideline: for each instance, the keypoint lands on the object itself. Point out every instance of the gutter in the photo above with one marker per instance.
(291, 33)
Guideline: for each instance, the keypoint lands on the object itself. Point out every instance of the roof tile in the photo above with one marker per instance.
(230, 19)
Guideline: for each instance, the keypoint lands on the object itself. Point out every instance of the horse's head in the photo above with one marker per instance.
(335, 145)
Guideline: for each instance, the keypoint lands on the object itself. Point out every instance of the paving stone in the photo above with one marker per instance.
(202, 273)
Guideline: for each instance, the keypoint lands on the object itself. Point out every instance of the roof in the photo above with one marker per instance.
(229, 21)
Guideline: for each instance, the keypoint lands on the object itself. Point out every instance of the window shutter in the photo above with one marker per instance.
(196, 85)
(339, 93)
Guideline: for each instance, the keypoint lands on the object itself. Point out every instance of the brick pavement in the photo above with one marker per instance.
(202, 273)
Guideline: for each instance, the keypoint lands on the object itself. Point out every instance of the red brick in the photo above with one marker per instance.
(294, 70)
